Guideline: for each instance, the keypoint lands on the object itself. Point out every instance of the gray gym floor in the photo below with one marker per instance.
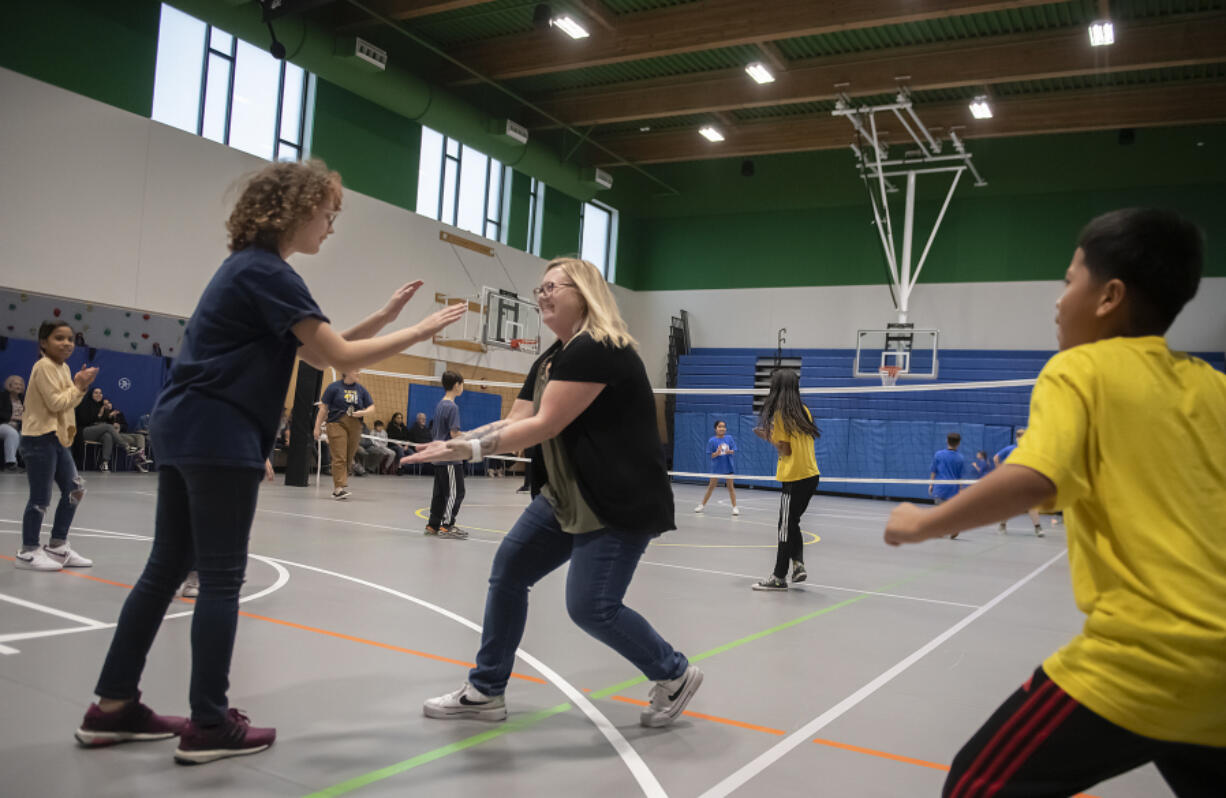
(883, 663)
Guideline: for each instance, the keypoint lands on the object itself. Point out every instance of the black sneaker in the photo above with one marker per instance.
(799, 574)
(771, 582)
(340, 493)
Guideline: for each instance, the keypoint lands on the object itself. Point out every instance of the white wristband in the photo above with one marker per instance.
(475, 443)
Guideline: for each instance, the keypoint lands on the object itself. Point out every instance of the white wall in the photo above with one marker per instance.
(101, 205)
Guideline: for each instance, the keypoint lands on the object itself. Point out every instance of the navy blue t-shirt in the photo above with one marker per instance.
(446, 418)
(223, 402)
(339, 398)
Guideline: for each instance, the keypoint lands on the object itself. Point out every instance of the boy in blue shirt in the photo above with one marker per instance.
(448, 477)
(720, 450)
(946, 464)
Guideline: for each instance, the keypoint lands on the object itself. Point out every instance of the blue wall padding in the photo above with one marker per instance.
(141, 376)
(476, 409)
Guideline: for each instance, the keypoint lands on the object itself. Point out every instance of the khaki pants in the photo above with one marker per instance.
(343, 439)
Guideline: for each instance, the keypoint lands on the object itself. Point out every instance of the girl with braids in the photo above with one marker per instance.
(788, 425)
(215, 423)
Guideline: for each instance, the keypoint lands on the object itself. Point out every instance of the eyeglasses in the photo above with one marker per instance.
(331, 217)
(545, 289)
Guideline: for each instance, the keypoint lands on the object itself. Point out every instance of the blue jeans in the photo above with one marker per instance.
(601, 566)
(204, 517)
(47, 463)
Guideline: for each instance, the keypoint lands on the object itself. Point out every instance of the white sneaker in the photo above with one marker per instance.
(340, 493)
(736, 511)
(1001, 530)
(1038, 530)
(700, 508)
(104, 466)
(36, 560)
(669, 699)
(191, 585)
(467, 702)
(67, 558)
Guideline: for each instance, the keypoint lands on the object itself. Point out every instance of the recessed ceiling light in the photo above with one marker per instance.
(760, 73)
(1102, 33)
(980, 108)
(644, 128)
(711, 134)
(570, 27)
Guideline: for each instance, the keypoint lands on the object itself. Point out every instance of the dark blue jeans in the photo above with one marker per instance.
(48, 463)
(204, 516)
(601, 566)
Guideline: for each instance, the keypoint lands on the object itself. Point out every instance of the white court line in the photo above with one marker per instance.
(638, 768)
(50, 610)
(815, 584)
(805, 733)
(280, 582)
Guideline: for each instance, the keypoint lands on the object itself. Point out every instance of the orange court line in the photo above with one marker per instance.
(318, 631)
(624, 699)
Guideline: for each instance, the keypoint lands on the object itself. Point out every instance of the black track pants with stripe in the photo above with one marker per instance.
(448, 494)
(792, 505)
(1041, 743)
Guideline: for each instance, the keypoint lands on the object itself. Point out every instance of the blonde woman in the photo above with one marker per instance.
(604, 494)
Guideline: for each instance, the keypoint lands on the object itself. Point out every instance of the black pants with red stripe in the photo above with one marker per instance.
(1041, 742)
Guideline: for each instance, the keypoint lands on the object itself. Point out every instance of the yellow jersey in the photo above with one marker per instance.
(802, 462)
(1133, 437)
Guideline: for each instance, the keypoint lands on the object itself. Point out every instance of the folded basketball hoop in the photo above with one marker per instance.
(889, 374)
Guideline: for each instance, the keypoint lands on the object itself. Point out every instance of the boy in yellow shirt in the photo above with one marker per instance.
(1126, 437)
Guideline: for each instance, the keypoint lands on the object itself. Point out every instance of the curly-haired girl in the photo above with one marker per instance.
(215, 423)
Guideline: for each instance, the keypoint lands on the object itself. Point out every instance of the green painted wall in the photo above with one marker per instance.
(102, 50)
(804, 219)
(560, 225)
(376, 151)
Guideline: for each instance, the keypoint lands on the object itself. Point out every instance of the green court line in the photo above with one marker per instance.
(536, 717)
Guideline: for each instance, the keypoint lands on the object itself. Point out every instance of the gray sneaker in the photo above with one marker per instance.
(771, 582)
(668, 699)
(453, 532)
(467, 702)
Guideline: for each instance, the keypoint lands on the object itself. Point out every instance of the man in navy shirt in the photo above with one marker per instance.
(448, 477)
(344, 404)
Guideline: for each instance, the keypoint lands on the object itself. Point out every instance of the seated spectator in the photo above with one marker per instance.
(94, 426)
(397, 435)
(379, 455)
(420, 431)
(12, 406)
(134, 441)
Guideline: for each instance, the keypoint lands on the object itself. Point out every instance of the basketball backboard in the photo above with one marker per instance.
(511, 322)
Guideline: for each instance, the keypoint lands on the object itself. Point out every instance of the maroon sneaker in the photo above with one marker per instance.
(235, 737)
(135, 722)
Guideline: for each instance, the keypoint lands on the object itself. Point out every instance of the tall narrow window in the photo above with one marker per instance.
(536, 205)
(460, 186)
(598, 232)
(212, 84)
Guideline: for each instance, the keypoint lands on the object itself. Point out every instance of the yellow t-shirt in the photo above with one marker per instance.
(1132, 435)
(802, 462)
(50, 398)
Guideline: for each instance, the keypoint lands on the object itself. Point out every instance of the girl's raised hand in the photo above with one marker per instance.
(400, 297)
(85, 377)
(442, 318)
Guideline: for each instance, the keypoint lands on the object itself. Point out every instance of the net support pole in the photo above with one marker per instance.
(908, 229)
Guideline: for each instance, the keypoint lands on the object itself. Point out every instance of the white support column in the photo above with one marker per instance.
(908, 228)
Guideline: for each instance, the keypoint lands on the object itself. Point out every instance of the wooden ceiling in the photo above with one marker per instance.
(672, 66)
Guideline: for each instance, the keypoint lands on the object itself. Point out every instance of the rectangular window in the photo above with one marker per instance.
(212, 84)
(536, 205)
(460, 186)
(598, 232)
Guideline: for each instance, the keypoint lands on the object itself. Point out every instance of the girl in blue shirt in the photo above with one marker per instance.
(215, 423)
(720, 449)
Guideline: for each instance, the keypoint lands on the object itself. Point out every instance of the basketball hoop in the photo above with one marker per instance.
(528, 345)
(889, 374)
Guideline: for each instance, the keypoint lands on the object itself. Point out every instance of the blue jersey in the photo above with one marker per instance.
(1004, 453)
(947, 464)
(723, 463)
(980, 468)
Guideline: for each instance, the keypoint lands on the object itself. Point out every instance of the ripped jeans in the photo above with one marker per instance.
(48, 462)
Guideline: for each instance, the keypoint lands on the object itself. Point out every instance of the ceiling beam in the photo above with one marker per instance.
(993, 60)
(598, 12)
(703, 26)
(411, 9)
(1063, 112)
